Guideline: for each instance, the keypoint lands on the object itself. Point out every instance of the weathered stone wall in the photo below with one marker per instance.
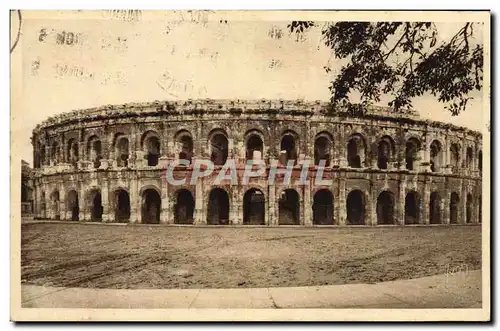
(59, 170)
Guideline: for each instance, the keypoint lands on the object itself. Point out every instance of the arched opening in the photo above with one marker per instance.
(288, 149)
(218, 207)
(356, 208)
(385, 152)
(323, 149)
(411, 155)
(219, 149)
(323, 207)
(469, 158)
(454, 202)
(412, 204)
(122, 206)
(94, 152)
(55, 153)
(54, 197)
(184, 207)
(468, 209)
(254, 147)
(152, 149)
(435, 208)
(454, 158)
(356, 149)
(289, 208)
(480, 160)
(385, 208)
(72, 152)
(72, 205)
(96, 208)
(436, 156)
(185, 146)
(254, 207)
(122, 151)
(151, 206)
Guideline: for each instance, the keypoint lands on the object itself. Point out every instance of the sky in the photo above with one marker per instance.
(104, 58)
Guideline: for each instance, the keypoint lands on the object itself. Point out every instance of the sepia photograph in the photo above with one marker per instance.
(209, 165)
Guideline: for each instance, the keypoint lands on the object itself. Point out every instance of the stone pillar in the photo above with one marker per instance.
(235, 206)
(272, 216)
(424, 205)
(199, 217)
(82, 203)
(372, 207)
(134, 201)
(62, 202)
(341, 144)
(402, 199)
(165, 205)
(446, 207)
(106, 217)
(307, 206)
(463, 203)
(342, 212)
(171, 201)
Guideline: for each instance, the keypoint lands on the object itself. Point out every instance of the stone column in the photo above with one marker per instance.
(307, 206)
(424, 205)
(272, 216)
(165, 205)
(82, 203)
(62, 202)
(134, 201)
(235, 206)
(402, 199)
(199, 217)
(342, 212)
(463, 203)
(341, 144)
(446, 207)
(105, 201)
(372, 207)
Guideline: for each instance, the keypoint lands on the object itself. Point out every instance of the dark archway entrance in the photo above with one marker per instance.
(151, 206)
(323, 207)
(468, 209)
(435, 208)
(218, 207)
(219, 147)
(96, 207)
(73, 206)
(454, 201)
(289, 208)
(288, 148)
(254, 144)
(254, 203)
(122, 206)
(411, 208)
(356, 208)
(184, 207)
(385, 208)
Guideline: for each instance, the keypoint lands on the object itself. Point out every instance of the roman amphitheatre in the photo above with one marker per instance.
(393, 177)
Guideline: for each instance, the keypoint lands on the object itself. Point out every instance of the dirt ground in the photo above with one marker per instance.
(82, 255)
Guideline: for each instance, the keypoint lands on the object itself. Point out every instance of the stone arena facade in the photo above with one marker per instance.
(107, 164)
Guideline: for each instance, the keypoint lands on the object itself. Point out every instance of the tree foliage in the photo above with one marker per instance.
(403, 60)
